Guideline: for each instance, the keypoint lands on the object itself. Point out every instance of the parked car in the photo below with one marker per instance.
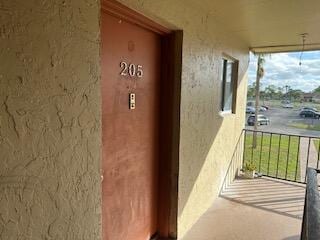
(309, 114)
(262, 109)
(250, 103)
(266, 107)
(250, 110)
(309, 108)
(287, 105)
(262, 120)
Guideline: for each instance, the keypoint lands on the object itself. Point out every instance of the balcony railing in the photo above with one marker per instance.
(276, 206)
(281, 156)
(289, 157)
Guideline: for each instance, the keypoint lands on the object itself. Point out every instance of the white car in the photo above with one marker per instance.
(262, 109)
(262, 120)
(287, 105)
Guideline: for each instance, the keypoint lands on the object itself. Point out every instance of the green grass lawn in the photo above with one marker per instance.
(316, 143)
(270, 156)
(305, 126)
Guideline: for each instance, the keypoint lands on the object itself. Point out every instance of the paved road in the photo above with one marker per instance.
(281, 117)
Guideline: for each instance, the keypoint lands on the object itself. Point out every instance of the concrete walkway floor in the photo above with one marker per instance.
(257, 209)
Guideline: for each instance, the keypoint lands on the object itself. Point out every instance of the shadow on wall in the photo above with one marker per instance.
(204, 134)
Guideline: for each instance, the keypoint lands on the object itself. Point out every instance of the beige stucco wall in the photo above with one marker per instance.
(49, 120)
(207, 138)
(50, 131)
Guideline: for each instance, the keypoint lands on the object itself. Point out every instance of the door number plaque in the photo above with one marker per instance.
(132, 101)
(131, 70)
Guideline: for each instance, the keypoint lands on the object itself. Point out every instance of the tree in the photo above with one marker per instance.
(260, 74)
(295, 94)
(280, 93)
(251, 91)
(317, 90)
(270, 91)
(287, 89)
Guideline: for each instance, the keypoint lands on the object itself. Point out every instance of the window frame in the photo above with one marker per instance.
(234, 83)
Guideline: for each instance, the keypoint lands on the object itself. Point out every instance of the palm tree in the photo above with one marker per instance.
(260, 74)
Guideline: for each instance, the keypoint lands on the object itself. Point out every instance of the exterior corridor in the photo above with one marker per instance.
(259, 209)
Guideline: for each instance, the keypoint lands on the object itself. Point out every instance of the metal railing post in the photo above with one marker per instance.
(308, 153)
(297, 162)
(260, 152)
(288, 157)
(279, 146)
(253, 137)
(318, 141)
(269, 154)
(244, 146)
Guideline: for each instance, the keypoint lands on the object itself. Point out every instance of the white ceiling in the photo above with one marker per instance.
(269, 25)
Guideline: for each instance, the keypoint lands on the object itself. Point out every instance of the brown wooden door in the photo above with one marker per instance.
(130, 137)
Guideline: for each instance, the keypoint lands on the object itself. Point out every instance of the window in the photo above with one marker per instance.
(229, 84)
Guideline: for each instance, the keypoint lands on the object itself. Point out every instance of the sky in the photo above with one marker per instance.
(283, 69)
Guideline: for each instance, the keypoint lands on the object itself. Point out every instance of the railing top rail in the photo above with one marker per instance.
(284, 134)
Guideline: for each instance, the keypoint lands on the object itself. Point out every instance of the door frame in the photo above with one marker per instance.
(171, 69)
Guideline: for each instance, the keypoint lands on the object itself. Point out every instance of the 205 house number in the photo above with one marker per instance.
(130, 69)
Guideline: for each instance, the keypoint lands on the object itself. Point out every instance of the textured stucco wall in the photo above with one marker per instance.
(49, 120)
(50, 114)
(207, 138)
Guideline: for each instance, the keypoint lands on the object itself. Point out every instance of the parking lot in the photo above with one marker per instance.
(282, 118)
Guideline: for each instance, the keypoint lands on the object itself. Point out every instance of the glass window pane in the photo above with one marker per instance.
(228, 81)
(228, 87)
